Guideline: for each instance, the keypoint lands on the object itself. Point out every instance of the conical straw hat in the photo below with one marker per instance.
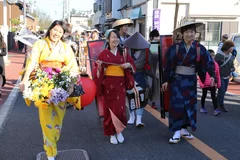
(197, 24)
(136, 41)
(121, 22)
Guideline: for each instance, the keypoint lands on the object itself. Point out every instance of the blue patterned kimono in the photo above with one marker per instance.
(183, 88)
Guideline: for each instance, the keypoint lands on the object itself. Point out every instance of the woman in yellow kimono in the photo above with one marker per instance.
(51, 52)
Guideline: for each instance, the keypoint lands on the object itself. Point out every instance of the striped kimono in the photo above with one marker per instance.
(183, 88)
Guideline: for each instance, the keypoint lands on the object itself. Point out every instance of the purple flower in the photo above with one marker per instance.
(58, 95)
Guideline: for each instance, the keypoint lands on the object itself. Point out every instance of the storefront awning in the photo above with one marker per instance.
(136, 13)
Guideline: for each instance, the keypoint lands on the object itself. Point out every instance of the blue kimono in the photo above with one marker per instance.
(183, 88)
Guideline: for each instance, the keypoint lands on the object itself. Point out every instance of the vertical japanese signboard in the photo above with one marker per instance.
(156, 19)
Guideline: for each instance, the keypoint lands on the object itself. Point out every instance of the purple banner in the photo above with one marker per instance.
(156, 19)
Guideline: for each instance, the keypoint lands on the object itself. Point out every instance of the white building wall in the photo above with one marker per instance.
(214, 7)
(223, 9)
(116, 4)
(79, 20)
(134, 2)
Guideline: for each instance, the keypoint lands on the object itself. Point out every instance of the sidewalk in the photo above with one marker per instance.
(234, 88)
(12, 73)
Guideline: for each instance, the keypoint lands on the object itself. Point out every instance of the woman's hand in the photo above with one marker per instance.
(125, 65)
(164, 86)
(99, 63)
(71, 88)
(212, 83)
(3, 45)
(21, 86)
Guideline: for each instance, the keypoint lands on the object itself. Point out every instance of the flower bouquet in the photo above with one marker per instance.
(50, 85)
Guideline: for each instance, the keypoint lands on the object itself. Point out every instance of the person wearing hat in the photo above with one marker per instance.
(122, 26)
(139, 50)
(110, 81)
(94, 35)
(182, 61)
(225, 61)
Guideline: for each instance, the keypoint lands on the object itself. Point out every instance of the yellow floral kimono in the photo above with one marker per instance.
(51, 117)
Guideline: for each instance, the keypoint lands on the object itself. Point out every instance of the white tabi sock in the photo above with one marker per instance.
(131, 117)
(51, 158)
(177, 134)
(184, 131)
(120, 138)
(113, 140)
(139, 119)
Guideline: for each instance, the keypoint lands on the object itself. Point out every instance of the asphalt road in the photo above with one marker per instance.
(21, 138)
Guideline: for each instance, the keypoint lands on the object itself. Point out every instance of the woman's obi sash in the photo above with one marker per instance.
(114, 71)
(51, 64)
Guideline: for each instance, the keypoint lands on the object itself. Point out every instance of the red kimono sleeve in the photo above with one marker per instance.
(98, 73)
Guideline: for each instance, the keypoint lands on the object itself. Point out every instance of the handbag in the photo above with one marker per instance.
(128, 74)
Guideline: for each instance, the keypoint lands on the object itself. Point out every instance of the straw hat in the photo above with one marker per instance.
(121, 22)
(95, 30)
(136, 41)
(197, 24)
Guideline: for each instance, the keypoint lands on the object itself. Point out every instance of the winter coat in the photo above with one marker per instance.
(208, 81)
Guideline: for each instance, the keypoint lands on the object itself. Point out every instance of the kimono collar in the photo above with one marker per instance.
(49, 43)
(185, 45)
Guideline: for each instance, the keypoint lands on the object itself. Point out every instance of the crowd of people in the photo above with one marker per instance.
(128, 56)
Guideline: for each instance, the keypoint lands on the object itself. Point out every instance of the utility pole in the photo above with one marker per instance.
(155, 4)
(176, 14)
(5, 28)
(102, 17)
(24, 12)
(68, 10)
(65, 9)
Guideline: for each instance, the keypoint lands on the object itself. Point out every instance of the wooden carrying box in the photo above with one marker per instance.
(136, 98)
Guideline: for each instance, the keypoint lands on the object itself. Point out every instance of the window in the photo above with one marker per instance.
(126, 2)
(142, 29)
(213, 31)
(95, 7)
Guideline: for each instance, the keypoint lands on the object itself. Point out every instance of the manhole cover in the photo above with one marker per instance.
(73, 154)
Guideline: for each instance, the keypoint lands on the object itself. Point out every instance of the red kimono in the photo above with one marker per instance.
(112, 88)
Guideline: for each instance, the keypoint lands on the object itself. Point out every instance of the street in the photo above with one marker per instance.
(216, 137)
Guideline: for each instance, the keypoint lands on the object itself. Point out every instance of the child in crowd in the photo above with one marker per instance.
(206, 86)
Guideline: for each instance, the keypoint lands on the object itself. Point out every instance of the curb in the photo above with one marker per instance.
(8, 105)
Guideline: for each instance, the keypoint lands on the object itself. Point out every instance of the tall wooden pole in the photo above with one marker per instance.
(176, 14)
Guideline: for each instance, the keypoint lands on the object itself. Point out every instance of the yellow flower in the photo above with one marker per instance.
(45, 90)
(38, 103)
(41, 104)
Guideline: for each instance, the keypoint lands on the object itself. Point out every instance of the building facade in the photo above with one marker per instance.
(219, 16)
(15, 11)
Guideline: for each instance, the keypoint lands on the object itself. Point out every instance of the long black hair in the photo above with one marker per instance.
(1, 40)
(120, 49)
(57, 22)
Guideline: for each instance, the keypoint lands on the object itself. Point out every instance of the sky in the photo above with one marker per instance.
(55, 7)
